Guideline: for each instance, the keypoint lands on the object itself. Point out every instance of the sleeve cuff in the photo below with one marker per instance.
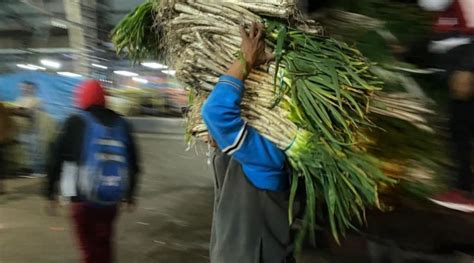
(232, 81)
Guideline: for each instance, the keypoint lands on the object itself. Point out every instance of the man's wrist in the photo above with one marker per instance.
(238, 70)
(246, 64)
(246, 68)
(251, 61)
(249, 64)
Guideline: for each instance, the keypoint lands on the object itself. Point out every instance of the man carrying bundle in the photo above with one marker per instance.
(250, 221)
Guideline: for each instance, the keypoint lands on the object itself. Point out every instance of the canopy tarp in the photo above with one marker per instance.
(55, 91)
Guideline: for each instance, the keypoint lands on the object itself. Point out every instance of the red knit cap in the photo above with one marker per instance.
(90, 93)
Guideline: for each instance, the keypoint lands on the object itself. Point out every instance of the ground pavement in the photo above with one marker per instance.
(172, 221)
(171, 224)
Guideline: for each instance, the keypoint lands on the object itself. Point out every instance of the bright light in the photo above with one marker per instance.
(36, 66)
(169, 72)
(58, 24)
(99, 66)
(125, 73)
(23, 66)
(69, 74)
(154, 65)
(30, 67)
(50, 63)
(141, 80)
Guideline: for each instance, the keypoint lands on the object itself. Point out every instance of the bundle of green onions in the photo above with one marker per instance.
(406, 141)
(136, 33)
(312, 102)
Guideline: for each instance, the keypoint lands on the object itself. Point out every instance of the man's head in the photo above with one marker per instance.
(90, 93)
(28, 88)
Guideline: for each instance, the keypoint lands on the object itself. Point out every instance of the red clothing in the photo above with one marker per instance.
(459, 17)
(94, 227)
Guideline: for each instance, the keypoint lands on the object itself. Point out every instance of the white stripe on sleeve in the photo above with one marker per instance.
(238, 139)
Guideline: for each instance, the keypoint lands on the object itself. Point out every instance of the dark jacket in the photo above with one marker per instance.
(69, 144)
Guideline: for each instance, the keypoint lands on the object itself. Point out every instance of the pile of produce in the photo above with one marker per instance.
(409, 138)
(314, 102)
(136, 33)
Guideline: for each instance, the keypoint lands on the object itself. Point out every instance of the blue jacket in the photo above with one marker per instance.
(262, 162)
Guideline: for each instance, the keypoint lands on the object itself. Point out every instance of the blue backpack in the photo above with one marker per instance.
(104, 165)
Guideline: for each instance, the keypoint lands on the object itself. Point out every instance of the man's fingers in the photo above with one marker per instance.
(259, 31)
(243, 33)
(256, 31)
(253, 29)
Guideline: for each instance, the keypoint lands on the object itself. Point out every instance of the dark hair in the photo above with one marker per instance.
(26, 82)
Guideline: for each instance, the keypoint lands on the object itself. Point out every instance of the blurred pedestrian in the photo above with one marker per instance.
(250, 220)
(95, 161)
(6, 137)
(453, 46)
(29, 106)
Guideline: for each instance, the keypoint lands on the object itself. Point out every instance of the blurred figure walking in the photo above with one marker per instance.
(453, 45)
(29, 105)
(6, 137)
(95, 160)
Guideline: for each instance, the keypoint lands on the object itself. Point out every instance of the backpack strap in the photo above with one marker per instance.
(90, 123)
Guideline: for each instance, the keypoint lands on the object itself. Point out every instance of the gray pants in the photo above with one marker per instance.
(249, 225)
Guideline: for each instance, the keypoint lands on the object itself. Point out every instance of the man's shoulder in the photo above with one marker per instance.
(116, 115)
(113, 115)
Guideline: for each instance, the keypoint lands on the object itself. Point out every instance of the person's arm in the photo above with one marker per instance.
(62, 149)
(221, 113)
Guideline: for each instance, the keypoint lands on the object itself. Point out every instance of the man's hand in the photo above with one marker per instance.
(253, 52)
(253, 46)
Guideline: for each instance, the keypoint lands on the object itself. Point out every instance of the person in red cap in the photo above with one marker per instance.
(454, 46)
(94, 161)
